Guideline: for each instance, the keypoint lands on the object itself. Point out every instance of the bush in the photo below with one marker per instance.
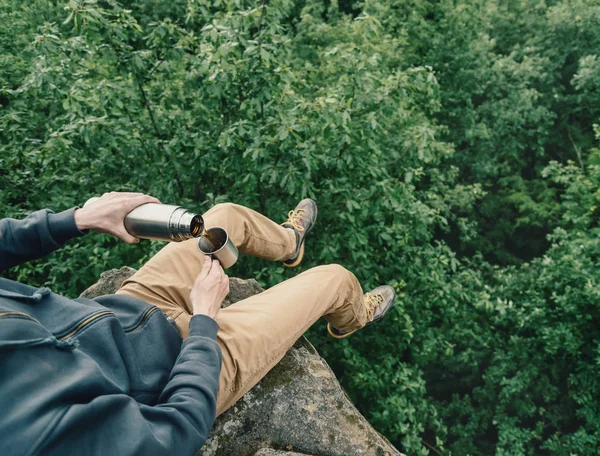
(435, 136)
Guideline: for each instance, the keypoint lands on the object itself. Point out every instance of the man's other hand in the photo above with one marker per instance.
(210, 288)
(107, 213)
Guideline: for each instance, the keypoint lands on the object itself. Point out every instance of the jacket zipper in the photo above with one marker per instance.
(84, 323)
(147, 314)
(16, 314)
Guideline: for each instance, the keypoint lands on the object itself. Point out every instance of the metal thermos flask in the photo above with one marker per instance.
(163, 222)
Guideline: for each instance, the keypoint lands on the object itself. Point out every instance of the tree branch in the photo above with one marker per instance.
(147, 105)
(431, 447)
(577, 150)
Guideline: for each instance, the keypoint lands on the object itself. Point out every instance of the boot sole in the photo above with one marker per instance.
(339, 336)
(298, 260)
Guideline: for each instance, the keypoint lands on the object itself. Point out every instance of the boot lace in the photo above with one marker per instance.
(294, 219)
(372, 302)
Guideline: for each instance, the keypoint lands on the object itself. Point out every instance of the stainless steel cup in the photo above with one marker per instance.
(225, 251)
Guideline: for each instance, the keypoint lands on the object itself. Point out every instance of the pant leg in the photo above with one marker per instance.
(254, 334)
(167, 278)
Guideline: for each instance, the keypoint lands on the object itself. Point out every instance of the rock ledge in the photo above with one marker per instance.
(298, 409)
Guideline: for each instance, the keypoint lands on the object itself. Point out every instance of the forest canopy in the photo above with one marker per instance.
(452, 147)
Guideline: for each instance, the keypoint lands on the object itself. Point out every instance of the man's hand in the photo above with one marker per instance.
(107, 213)
(210, 289)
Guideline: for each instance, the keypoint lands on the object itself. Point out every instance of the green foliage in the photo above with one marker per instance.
(518, 89)
(435, 135)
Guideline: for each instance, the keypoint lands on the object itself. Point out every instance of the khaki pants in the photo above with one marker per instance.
(254, 334)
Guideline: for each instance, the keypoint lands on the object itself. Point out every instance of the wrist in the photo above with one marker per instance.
(205, 312)
(203, 309)
(82, 220)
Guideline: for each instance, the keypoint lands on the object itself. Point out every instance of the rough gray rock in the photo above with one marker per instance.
(272, 452)
(241, 289)
(297, 409)
(110, 281)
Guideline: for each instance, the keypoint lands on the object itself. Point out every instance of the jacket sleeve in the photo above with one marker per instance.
(180, 422)
(37, 235)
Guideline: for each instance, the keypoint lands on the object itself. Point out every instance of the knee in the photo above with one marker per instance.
(335, 271)
(225, 211)
(224, 207)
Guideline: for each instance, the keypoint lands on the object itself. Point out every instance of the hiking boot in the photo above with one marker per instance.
(301, 220)
(377, 303)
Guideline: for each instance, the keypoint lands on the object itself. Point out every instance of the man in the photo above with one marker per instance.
(146, 371)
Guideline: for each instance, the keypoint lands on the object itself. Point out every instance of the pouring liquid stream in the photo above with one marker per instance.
(216, 244)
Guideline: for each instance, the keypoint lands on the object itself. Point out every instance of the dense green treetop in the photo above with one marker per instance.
(450, 145)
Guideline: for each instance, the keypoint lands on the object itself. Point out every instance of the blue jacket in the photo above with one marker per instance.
(108, 376)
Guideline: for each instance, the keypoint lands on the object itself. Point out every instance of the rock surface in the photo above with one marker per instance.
(272, 452)
(297, 409)
(110, 281)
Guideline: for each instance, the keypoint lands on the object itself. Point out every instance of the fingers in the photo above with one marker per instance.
(137, 199)
(218, 274)
(107, 213)
(203, 274)
(217, 270)
(115, 194)
(206, 268)
(226, 286)
(125, 236)
(127, 196)
(210, 288)
(129, 239)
